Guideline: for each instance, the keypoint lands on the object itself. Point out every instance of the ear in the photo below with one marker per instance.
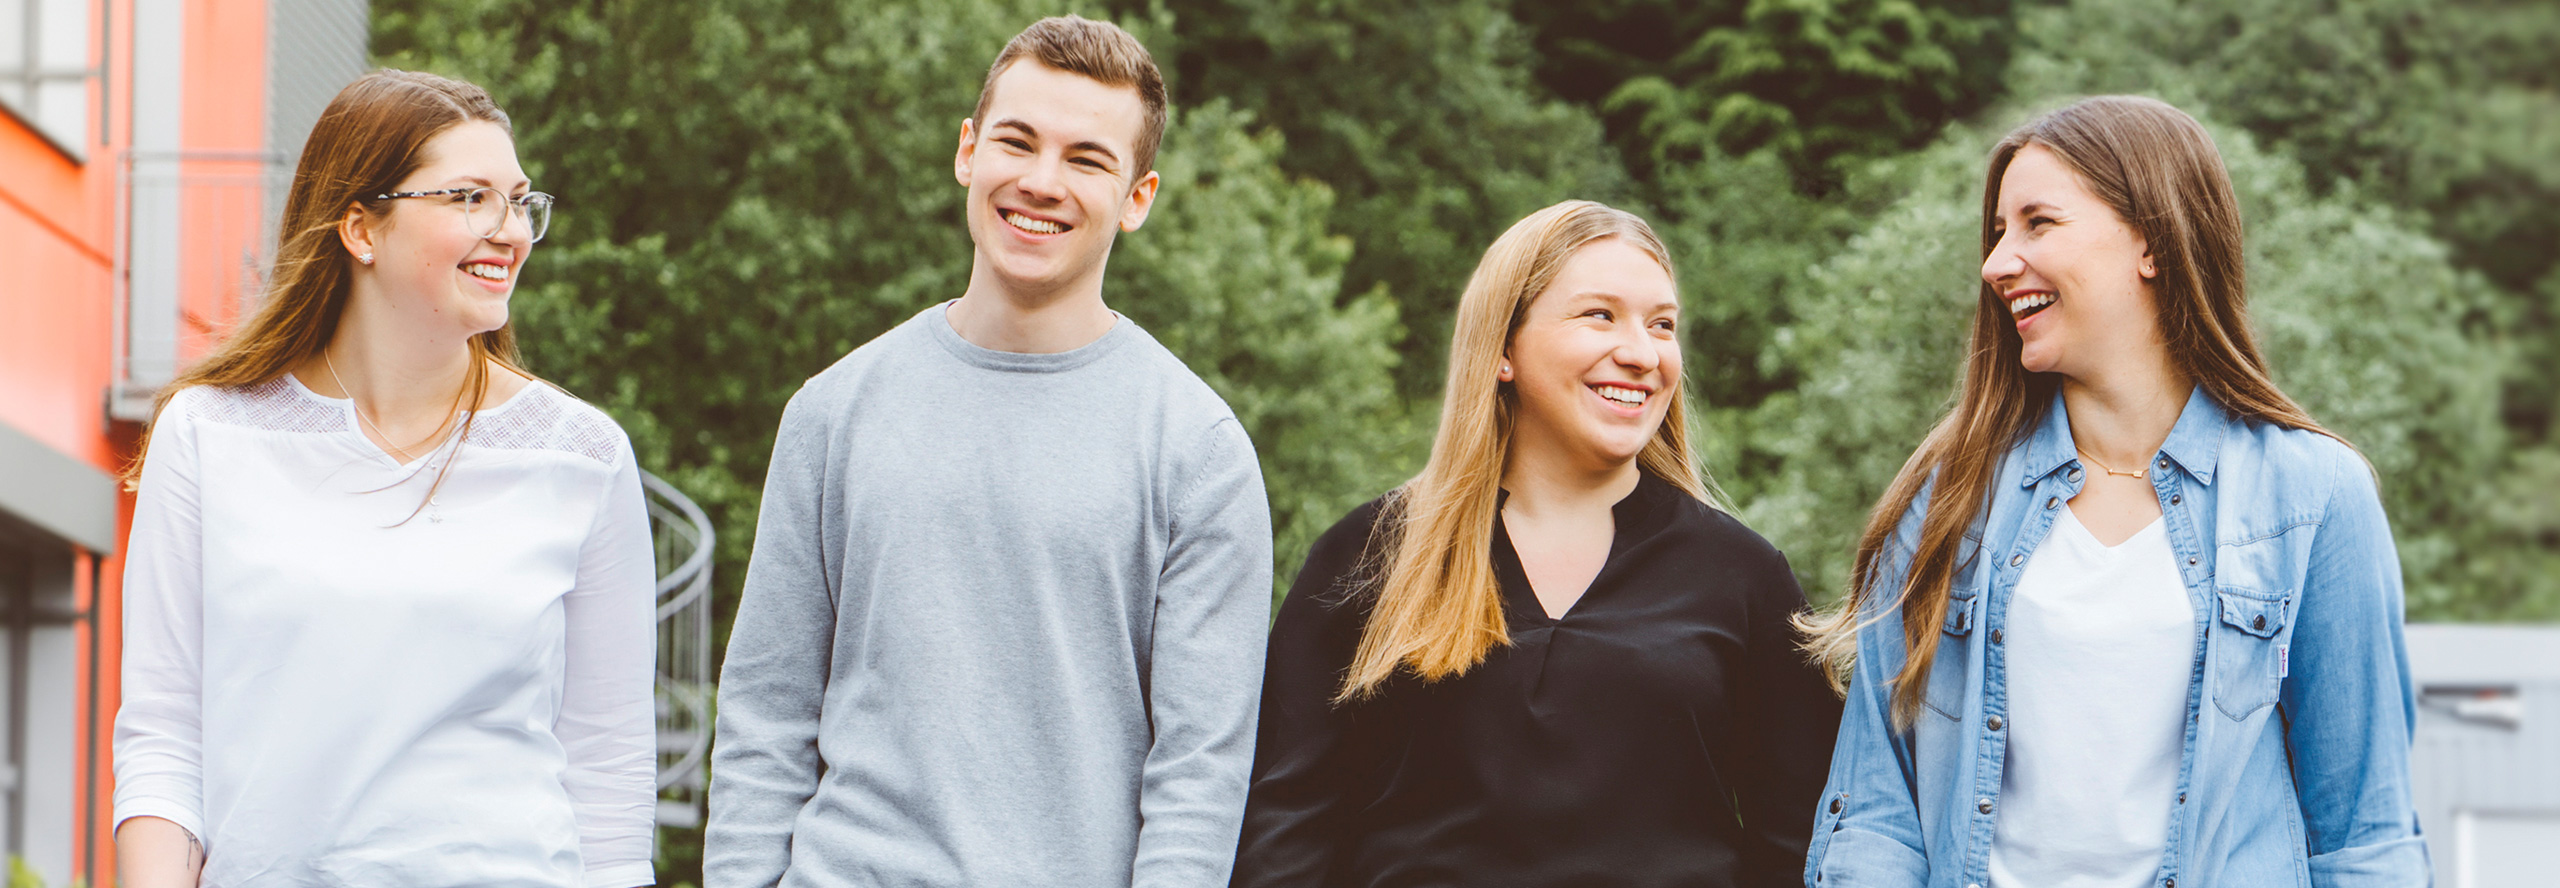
(1133, 212)
(2149, 268)
(355, 231)
(968, 148)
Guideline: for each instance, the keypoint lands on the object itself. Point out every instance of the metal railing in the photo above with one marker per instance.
(682, 535)
(195, 231)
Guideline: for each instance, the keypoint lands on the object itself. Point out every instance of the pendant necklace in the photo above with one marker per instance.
(2103, 467)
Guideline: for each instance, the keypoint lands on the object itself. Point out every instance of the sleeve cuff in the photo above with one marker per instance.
(2401, 861)
(622, 875)
(182, 815)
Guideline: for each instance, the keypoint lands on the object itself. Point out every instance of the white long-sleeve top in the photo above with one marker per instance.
(332, 679)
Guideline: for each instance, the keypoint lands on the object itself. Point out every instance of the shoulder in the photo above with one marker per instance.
(1201, 433)
(276, 405)
(1182, 393)
(1730, 547)
(543, 417)
(835, 387)
(2286, 477)
(1332, 573)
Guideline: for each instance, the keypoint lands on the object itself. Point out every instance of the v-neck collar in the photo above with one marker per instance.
(1636, 516)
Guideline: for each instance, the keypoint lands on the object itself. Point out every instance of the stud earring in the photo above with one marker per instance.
(366, 258)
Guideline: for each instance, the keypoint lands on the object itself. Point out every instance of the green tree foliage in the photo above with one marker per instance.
(2359, 312)
(1423, 118)
(1817, 80)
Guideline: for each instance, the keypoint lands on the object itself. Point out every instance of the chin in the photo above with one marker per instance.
(2038, 360)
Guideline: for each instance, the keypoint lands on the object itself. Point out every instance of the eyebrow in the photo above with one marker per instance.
(483, 182)
(1623, 302)
(1087, 145)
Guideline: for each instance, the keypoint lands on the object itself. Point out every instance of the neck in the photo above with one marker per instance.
(395, 374)
(1542, 481)
(995, 316)
(2122, 418)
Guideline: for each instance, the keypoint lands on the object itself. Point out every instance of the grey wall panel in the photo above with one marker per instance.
(56, 494)
(314, 47)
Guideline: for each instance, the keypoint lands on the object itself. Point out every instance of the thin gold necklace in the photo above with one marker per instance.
(2103, 467)
(358, 407)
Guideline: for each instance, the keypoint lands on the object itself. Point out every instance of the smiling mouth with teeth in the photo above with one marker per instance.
(2027, 305)
(486, 271)
(1035, 226)
(1627, 396)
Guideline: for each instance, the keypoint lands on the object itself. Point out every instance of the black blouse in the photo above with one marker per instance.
(1665, 732)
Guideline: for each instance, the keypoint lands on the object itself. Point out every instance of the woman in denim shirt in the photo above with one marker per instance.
(2193, 579)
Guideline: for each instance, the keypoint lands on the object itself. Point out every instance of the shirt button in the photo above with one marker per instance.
(2051, 501)
(2191, 561)
(2175, 499)
(2015, 560)
(1995, 636)
(2258, 622)
(1983, 805)
(2074, 474)
(2182, 798)
(1835, 806)
(2171, 882)
(1994, 722)
(2164, 462)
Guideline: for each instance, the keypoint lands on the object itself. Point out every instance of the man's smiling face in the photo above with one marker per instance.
(1050, 168)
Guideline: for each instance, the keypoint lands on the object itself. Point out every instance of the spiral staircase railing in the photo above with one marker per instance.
(682, 536)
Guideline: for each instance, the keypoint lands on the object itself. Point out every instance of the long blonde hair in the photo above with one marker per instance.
(2159, 170)
(371, 136)
(1439, 609)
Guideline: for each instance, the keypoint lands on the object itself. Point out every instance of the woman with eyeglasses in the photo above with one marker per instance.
(389, 600)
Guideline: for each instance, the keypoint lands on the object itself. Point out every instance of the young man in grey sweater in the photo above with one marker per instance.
(1003, 626)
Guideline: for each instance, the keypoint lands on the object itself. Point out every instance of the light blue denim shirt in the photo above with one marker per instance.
(2295, 766)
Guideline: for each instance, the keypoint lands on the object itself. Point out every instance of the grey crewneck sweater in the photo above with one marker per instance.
(1003, 626)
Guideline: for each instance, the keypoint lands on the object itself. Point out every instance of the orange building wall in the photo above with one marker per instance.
(58, 316)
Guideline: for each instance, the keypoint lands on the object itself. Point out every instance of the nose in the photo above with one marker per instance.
(1042, 181)
(2004, 263)
(516, 227)
(1637, 349)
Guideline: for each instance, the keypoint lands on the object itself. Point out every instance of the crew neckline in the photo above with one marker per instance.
(938, 323)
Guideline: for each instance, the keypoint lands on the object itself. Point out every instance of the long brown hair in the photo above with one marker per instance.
(1438, 607)
(370, 137)
(2159, 170)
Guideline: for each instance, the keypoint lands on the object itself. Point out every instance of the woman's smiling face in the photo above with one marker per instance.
(1595, 362)
(2075, 277)
(428, 265)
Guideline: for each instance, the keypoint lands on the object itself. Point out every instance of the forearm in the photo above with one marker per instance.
(155, 853)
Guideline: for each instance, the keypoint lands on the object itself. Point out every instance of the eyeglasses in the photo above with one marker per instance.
(486, 211)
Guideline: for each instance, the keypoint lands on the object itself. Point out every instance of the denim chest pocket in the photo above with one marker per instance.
(2256, 589)
(1947, 671)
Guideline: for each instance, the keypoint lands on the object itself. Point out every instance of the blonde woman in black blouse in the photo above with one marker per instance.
(1546, 660)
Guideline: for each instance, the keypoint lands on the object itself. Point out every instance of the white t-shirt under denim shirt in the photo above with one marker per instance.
(2100, 641)
(328, 694)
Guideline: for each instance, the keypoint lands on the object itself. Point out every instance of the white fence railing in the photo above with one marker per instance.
(682, 534)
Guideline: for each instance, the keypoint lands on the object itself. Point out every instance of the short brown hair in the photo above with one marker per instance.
(1099, 50)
